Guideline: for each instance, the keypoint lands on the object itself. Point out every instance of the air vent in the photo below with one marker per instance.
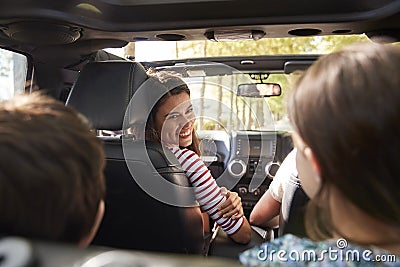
(344, 31)
(171, 37)
(305, 32)
(138, 39)
(41, 33)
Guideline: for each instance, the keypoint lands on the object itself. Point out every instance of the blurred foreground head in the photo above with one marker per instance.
(51, 171)
(346, 110)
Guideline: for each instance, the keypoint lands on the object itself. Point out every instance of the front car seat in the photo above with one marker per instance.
(133, 219)
(293, 210)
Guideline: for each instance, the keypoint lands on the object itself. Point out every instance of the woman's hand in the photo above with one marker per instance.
(232, 207)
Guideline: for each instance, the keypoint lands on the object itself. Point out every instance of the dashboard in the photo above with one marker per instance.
(245, 161)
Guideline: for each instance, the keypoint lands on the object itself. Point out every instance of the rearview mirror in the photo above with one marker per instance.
(259, 89)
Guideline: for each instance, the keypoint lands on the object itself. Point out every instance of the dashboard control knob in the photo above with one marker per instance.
(271, 168)
(237, 168)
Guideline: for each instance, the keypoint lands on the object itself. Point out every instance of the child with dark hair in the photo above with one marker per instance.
(345, 113)
(51, 172)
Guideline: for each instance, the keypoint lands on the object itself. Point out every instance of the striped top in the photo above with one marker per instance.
(207, 192)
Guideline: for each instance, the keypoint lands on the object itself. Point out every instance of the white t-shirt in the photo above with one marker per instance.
(287, 169)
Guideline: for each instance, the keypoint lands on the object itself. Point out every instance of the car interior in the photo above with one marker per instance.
(64, 48)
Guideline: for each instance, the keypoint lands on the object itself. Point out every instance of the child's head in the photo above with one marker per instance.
(51, 171)
(345, 111)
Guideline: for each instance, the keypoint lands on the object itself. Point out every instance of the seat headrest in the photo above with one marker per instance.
(103, 90)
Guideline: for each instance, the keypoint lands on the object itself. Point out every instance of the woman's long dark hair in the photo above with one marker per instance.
(169, 80)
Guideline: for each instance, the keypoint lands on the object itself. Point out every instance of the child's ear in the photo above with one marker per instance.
(311, 158)
(86, 240)
(309, 154)
(308, 166)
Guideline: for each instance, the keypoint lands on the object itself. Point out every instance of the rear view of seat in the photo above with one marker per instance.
(293, 210)
(133, 219)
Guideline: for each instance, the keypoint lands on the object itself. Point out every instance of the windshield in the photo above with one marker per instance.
(216, 105)
(152, 51)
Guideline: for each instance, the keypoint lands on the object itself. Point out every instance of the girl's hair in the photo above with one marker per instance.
(176, 86)
(346, 109)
